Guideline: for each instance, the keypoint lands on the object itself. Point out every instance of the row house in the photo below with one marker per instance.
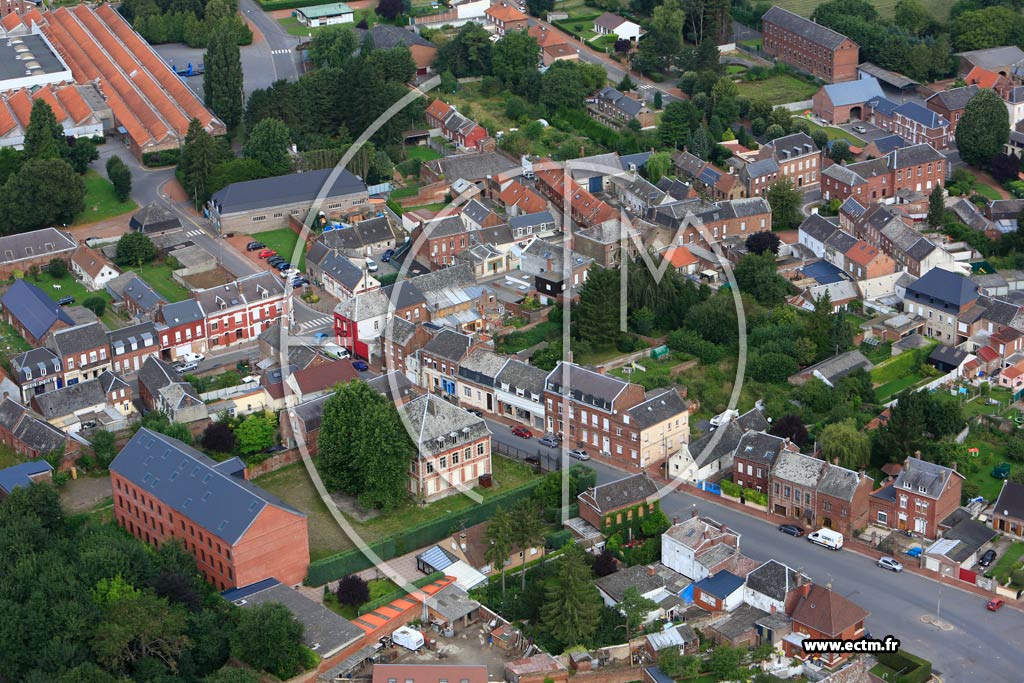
(609, 415)
(707, 178)
(338, 276)
(364, 237)
(951, 104)
(519, 392)
(37, 371)
(921, 496)
(918, 168)
(616, 109)
(943, 299)
(161, 387)
(21, 251)
(557, 271)
(883, 227)
(84, 351)
(637, 194)
(818, 493)
(27, 434)
(239, 311)
(477, 215)
(518, 199)
(560, 188)
(608, 244)
(455, 127)
(755, 456)
(911, 121)
(134, 295)
(453, 448)
(795, 157)
(863, 261)
(400, 341)
(131, 346)
(237, 533)
(181, 327)
(102, 402)
(440, 240)
(808, 46)
(439, 361)
(486, 260)
(699, 223)
(476, 377)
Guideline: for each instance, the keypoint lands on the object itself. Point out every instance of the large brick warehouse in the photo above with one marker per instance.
(238, 533)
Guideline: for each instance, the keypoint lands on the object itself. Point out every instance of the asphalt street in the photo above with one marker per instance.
(980, 646)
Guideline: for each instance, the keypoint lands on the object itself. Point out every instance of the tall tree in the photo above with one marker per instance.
(256, 432)
(936, 207)
(120, 177)
(573, 606)
(135, 249)
(791, 427)
(198, 158)
(756, 275)
(43, 192)
(333, 47)
(499, 537)
(785, 200)
(700, 143)
(635, 607)
(222, 82)
(44, 136)
(760, 242)
(597, 318)
(82, 153)
(840, 152)
(983, 129)
(658, 166)
(363, 448)
(389, 9)
(527, 532)
(269, 637)
(268, 144)
(514, 60)
(842, 441)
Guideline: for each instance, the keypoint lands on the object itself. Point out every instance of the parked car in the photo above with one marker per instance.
(253, 246)
(274, 260)
(64, 301)
(183, 367)
(522, 432)
(532, 460)
(549, 441)
(371, 265)
(283, 265)
(988, 558)
(859, 129)
(386, 258)
(335, 351)
(300, 282)
(474, 411)
(267, 253)
(360, 365)
(579, 454)
(890, 563)
(791, 529)
(994, 604)
(191, 357)
(321, 337)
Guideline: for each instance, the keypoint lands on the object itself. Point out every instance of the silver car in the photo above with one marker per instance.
(579, 454)
(890, 563)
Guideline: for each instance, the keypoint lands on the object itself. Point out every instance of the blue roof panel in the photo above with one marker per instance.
(437, 558)
(824, 272)
(854, 92)
(721, 585)
(18, 475)
(30, 306)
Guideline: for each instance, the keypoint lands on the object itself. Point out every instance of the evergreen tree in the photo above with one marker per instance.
(499, 537)
(268, 144)
(120, 177)
(785, 199)
(596, 321)
(527, 532)
(573, 606)
(44, 137)
(222, 82)
(700, 143)
(983, 129)
(198, 157)
(936, 207)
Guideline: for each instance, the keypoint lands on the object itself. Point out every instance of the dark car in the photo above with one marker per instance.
(283, 266)
(361, 366)
(65, 301)
(253, 246)
(988, 558)
(274, 260)
(791, 529)
(386, 257)
(532, 460)
(474, 411)
(301, 282)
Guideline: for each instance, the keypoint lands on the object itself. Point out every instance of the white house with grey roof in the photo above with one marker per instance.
(104, 402)
(519, 390)
(476, 378)
(771, 586)
(711, 456)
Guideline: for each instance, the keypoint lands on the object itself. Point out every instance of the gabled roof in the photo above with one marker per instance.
(775, 580)
(658, 407)
(827, 612)
(520, 375)
(434, 422)
(839, 482)
(620, 493)
(62, 402)
(807, 29)
(944, 287)
(72, 341)
(35, 311)
(182, 313)
(609, 21)
(818, 228)
(21, 474)
(193, 485)
(448, 345)
(923, 477)
(954, 98)
(913, 155)
(798, 469)
(386, 36)
(142, 294)
(1010, 502)
(886, 144)
(36, 433)
(853, 92)
(586, 385)
(251, 195)
(918, 114)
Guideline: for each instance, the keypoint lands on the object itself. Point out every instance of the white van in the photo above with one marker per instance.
(408, 638)
(833, 540)
(334, 350)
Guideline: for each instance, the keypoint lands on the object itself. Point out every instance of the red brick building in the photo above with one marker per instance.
(238, 533)
(27, 434)
(440, 240)
(951, 104)
(505, 17)
(808, 46)
(454, 126)
(842, 499)
(754, 456)
(239, 311)
(921, 496)
(555, 184)
(821, 613)
(182, 329)
(614, 503)
(918, 168)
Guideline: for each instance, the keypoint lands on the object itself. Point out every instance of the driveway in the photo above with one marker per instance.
(980, 645)
(871, 131)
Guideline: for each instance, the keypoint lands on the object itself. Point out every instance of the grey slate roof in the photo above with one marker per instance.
(251, 195)
(761, 167)
(972, 535)
(144, 296)
(835, 368)
(955, 98)
(818, 227)
(645, 581)
(182, 313)
(63, 402)
(586, 385)
(334, 265)
(660, 406)
(531, 220)
(913, 155)
(29, 429)
(839, 482)
(449, 345)
(481, 366)
(399, 330)
(475, 211)
(841, 241)
(473, 167)
(393, 386)
(940, 288)
(792, 146)
(798, 469)
(36, 362)
(434, 420)
(809, 30)
(853, 92)
(760, 447)
(520, 375)
(924, 477)
(624, 102)
(193, 485)
(844, 174)
(72, 341)
(993, 57)
(774, 580)
(386, 37)
(142, 335)
(154, 218)
(707, 449)
(21, 474)
(360, 235)
(675, 188)
(919, 114)
(738, 622)
(888, 143)
(619, 493)
(1010, 502)
(30, 306)
(34, 244)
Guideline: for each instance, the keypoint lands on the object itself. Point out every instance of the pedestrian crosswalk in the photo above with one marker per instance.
(322, 321)
(280, 52)
(193, 233)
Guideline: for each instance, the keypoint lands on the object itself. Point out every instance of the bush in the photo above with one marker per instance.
(730, 488)
(167, 157)
(95, 304)
(759, 497)
(57, 268)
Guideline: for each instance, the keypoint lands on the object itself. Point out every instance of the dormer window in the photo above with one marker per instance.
(921, 489)
(907, 485)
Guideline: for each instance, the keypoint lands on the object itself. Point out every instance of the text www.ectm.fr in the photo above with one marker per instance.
(815, 646)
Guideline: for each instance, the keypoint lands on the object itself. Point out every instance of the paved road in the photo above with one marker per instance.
(279, 58)
(981, 645)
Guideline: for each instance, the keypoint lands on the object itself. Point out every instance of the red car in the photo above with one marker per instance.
(994, 604)
(522, 432)
(267, 253)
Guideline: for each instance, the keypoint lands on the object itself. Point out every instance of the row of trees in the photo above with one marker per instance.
(184, 21)
(88, 602)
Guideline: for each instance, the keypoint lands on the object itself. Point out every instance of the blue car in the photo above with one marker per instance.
(386, 257)
(321, 337)
(361, 366)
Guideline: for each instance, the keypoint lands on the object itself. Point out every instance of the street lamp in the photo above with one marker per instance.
(942, 586)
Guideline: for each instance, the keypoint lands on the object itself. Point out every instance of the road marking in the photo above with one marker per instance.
(280, 52)
(193, 233)
(316, 322)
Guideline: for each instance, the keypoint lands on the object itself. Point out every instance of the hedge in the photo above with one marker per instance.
(167, 157)
(899, 366)
(398, 593)
(910, 668)
(270, 5)
(351, 561)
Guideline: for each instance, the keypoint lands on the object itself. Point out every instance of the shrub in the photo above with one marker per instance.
(95, 304)
(730, 488)
(167, 157)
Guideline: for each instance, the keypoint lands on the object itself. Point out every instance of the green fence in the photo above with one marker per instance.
(395, 594)
(351, 561)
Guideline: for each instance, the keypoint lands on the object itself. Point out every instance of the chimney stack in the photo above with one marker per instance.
(693, 513)
(675, 520)
(651, 571)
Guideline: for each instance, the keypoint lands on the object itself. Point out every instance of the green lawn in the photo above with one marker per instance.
(979, 406)
(69, 286)
(293, 485)
(836, 133)
(779, 89)
(158, 276)
(735, 69)
(989, 455)
(421, 152)
(878, 353)
(100, 201)
(429, 207)
(1006, 564)
(605, 42)
(987, 191)
(403, 192)
(517, 341)
(655, 373)
(11, 344)
(283, 241)
(890, 389)
(937, 8)
(378, 589)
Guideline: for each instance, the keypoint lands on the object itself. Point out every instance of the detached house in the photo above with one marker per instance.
(453, 126)
(609, 505)
(921, 497)
(686, 546)
(616, 109)
(504, 17)
(620, 27)
(941, 298)
(92, 268)
(821, 613)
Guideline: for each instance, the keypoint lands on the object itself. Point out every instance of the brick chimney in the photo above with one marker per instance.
(675, 520)
(651, 571)
(693, 513)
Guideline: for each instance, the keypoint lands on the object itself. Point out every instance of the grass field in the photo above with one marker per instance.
(421, 152)
(100, 201)
(779, 89)
(11, 344)
(292, 484)
(283, 242)
(517, 341)
(937, 8)
(837, 134)
(294, 28)
(987, 191)
(890, 389)
(158, 275)
(408, 191)
(989, 455)
(978, 406)
(1006, 564)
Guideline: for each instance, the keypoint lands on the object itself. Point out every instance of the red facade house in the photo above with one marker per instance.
(821, 613)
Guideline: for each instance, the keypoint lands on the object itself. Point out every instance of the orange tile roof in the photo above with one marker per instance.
(862, 253)
(21, 104)
(983, 78)
(11, 22)
(48, 96)
(32, 15)
(1013, 371)
(680, 256)
(559, 50)
(988, 354)
(505, 13)
(7, 122)
(74, 103)
(531, 202)
(438, 109)
(546, 36)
